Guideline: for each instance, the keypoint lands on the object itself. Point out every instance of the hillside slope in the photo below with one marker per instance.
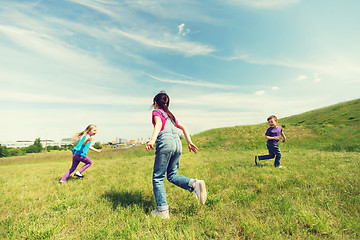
(333, 128)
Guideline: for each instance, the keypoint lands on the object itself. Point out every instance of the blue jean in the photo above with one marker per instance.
(274, 151)
(167, 160)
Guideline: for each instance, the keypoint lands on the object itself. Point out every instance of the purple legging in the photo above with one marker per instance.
(76, 160)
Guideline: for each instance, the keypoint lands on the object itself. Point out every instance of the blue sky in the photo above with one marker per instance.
(66, 64)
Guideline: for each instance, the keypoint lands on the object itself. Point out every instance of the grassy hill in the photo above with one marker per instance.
(316, 195)
(333, 128)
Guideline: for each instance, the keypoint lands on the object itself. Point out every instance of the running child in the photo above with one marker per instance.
(272, 135)
(80, 152)
(167, 155)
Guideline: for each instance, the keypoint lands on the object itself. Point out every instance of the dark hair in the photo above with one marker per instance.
(163, 101)
(271, 117)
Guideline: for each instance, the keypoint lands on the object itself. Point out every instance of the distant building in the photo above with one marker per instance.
(66, 141)
(44, 143)
(111, 143)
(122, 141)
(17, 144)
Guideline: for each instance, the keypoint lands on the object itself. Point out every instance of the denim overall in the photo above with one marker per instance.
(167, 160)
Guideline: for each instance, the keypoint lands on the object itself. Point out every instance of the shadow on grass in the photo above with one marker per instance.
(128, 199)
(263, 166)
(69, 179)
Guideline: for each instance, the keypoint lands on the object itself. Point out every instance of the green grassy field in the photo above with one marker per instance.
(316, 195)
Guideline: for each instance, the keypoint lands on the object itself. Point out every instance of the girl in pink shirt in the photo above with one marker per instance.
(167, 155)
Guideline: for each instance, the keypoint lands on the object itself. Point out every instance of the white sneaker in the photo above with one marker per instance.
(61, 181)
(161, 214)
(78, 174)
(200, 191)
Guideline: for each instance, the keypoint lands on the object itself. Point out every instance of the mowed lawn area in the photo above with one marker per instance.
(315, 196)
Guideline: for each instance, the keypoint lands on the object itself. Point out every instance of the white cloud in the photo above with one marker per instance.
(64, 122)
(182, 30)
(347, 66)
(275, 88)
(128, 10)
(146, 33)
(96, 5)
(301, 77)
(38, 60)
(167, 41)
(52, 51)
(260, 93)
(194, 83)
(264, 61)
(109, 99)
(317, 78)
(243, 57)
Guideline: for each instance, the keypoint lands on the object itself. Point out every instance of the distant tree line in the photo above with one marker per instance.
(36, 147)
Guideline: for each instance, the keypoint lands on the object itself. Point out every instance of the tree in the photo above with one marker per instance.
(16, 152)
(35, 148)
(37, 143)
(3, 151)
(70, 146)
(97, 145)
(49, 148)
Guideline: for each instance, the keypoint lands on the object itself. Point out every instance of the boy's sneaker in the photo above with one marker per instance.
(78, 174)
(200, 191)
(61, 181)
(161, 214)
(256, 160)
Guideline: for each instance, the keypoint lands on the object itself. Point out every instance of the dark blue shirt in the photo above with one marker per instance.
(273, 132)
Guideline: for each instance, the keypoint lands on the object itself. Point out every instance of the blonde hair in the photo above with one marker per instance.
(78, 135)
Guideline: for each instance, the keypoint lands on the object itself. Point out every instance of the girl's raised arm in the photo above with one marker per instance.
(87, 139)
(95, 150)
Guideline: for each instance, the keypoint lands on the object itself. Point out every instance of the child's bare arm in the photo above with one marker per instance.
(284, 137)
(95, 150)
(87, 139)
(157, 128)
(191, 146)
(272, 138)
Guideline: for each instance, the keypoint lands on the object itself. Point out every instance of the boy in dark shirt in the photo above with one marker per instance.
(272, 135)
